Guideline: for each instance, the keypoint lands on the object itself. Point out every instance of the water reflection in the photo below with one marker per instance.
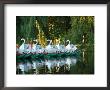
(47, 66)
(81, 64)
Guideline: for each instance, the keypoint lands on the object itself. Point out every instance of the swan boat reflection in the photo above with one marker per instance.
(44, 66)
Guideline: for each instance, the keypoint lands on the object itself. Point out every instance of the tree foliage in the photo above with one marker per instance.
(82, 27)
(74, 28)
(25, 28)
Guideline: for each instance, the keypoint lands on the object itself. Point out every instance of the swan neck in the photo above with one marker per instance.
(24, 40)
(36, 42)
(50, 42)
(69, 42)
(59, 43)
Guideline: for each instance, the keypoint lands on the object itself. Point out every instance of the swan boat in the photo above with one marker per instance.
(26, 52)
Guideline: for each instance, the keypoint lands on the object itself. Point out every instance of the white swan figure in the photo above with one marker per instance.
(34, 46)
(50, 48)
(70, 47)
(60, 47)
(75, 47)
(28, 49)
(37, 48)
(22, 47)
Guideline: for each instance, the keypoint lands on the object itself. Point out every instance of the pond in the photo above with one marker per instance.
(83, 64)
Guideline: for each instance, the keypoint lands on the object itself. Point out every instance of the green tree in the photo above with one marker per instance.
(25, 27)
